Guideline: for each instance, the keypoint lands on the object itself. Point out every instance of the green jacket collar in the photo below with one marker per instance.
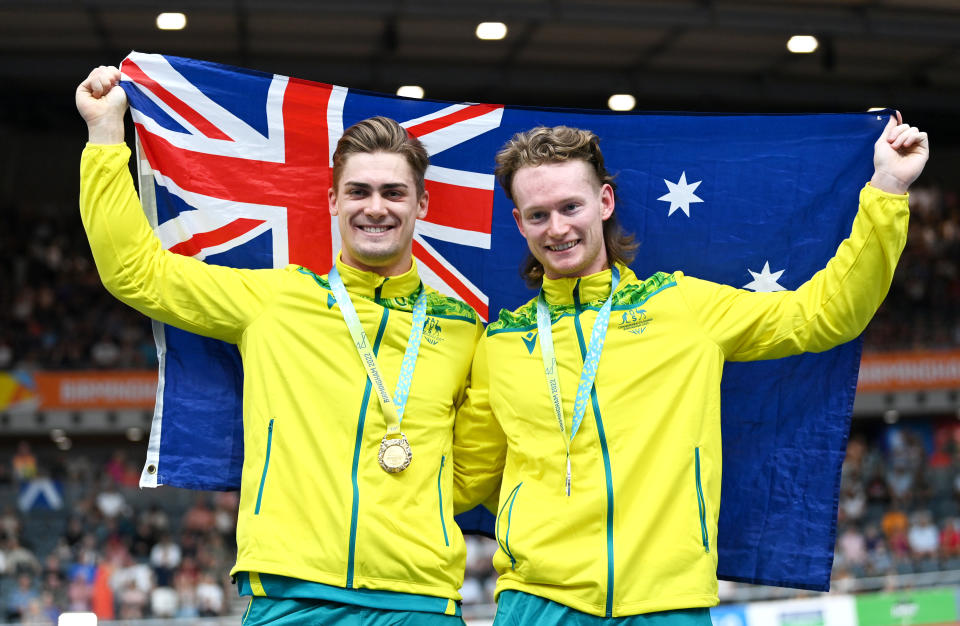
(365, 284)
(591, 287)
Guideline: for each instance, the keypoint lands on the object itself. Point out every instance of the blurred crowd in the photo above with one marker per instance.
(920, 311)
(56, 315)
(128, 553)
(105, 546)
(54, 312)
(899, 507)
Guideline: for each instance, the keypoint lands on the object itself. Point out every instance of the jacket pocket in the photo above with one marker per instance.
(701, 502)
(503, 537)
(443, 524)
(266, 465)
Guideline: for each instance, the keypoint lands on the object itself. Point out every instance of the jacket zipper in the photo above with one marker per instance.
(351, 555)
(701, 503)
(266, 464)
(443, 524)
(505, 544)
(608, 474)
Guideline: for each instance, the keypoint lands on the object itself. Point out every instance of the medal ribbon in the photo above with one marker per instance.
(590, 363)
(392, 407)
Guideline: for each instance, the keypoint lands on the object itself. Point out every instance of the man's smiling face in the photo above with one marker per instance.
(560, 211)
(377, 206)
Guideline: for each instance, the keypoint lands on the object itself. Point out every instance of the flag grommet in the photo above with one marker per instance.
(151, 469)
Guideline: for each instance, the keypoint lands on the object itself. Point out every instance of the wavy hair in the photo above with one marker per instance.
(381, 134)
(558, 144)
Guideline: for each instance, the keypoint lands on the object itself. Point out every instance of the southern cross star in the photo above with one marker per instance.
(765, 280)
(681, 194)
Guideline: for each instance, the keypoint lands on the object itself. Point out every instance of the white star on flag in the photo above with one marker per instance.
(764, 280)
(681, 194)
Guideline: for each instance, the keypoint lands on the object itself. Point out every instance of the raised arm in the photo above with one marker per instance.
(184, 292)
(836, 304)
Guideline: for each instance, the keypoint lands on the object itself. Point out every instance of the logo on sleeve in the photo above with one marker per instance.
(634, 321)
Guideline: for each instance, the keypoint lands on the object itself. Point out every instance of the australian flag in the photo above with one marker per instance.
(235, 166)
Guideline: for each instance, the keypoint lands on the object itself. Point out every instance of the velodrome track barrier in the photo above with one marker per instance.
(895, 608)
(902, 607)
(914, 602)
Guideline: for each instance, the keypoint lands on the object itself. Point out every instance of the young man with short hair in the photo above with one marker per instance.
(344, 515)
(608, 442)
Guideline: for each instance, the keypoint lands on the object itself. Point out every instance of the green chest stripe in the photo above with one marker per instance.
(438, 305)
(626, 297)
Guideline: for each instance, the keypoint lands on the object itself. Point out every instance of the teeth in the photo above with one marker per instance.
(374, 229)
(563, 246)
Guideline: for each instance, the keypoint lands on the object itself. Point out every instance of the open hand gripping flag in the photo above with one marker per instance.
(235, 166)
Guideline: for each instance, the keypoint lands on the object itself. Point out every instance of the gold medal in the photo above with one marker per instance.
(395, 454)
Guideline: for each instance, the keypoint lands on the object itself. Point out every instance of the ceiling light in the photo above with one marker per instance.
(171, 21)
(491, 30)
(621, 102)
(410, 91)
(802, 44)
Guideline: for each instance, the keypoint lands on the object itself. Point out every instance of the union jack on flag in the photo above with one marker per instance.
(235, 166)
(230, 174)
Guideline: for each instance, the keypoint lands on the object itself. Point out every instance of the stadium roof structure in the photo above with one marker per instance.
(670, 54)
(694, 55)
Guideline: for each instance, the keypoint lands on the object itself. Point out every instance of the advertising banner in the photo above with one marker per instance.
(729, 615)
(827, 610)
(909, 371)
(907, 608)
(77, 390)
(17, 392)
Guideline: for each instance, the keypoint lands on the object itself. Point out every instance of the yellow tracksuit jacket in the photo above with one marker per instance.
(638, 534)
(315, 506)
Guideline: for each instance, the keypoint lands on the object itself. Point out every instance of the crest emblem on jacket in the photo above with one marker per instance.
(432, 331)
(634, 321)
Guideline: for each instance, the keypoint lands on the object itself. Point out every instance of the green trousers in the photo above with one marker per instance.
(515, 608)
(293, 612)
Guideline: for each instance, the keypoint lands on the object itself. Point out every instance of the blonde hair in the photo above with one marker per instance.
(558, 144)
(381, 134)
